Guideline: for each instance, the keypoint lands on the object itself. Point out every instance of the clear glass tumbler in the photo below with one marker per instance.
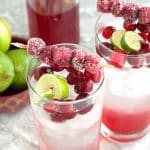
(81, 129)
(55, 21)
(126, 111)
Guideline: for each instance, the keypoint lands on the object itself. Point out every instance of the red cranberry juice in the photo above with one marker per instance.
(125, 122)
(62, 27)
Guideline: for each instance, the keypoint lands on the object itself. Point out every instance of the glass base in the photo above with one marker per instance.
(117, 137)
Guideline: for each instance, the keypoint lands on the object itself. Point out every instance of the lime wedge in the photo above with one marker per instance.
(116, 38)
(52, 86)
(131, 41)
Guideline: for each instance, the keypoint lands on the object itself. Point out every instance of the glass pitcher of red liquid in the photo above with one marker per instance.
(55, 21)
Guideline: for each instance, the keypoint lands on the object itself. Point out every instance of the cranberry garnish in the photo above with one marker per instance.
(57, 117)
(129, 27)
(145, 47)
(56, 67)
(40, 71)
(75, 77)
(117, 58)
(82, 95)
(135, 60)
(84, 86)
(108, 31)
(86, 109)
(148, 37)
(144, 13)
(143, 27)
(95, 77)
(143, 35)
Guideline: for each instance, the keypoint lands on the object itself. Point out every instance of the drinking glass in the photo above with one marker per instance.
(81, 129)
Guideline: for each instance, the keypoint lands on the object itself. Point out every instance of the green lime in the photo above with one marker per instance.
(6, 71)
(20, 60)
(116, 38)
(56, 86)
(131, 41)
(5, 35)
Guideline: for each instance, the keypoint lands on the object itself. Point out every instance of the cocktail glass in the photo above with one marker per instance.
(81, 129)
(126, 111)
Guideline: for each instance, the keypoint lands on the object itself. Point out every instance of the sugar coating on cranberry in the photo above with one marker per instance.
(62, 56)
(78, 59)
(117, 7)
(84, 86)
(129, 27)
(144, 15)
(104, 5)
(35, 46)
(130, 12)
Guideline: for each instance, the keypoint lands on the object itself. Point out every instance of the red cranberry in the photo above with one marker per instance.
(143, 35)
(56, 67)
(82, 95)
(40, 71)
(108, 31)
(129, 27)
(57, 117)
(143, 27)
(95, 77)
(75, 77)
(148, 37)
(84, 86)
(51, 108)
(145, 47)
(86, 109)
(67, 111)
(135, 60)
(117, 58)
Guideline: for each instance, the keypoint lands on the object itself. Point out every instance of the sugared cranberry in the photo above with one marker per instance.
(35, 46)
(95, 77)
(129, 27)
(148, 37)
(84, 86)
(78, 60)
(117, 58)
(40, 71)
(57, 117)
(135, 60)
(82, 95)
(75, 77)
(86, 109)
(104, 5)
(143, 27)
(108, 31)
(130, 12)
(116, 8)
(144, 35)
(144, 15)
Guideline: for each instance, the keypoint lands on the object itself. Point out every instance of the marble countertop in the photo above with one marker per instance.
(17, 129)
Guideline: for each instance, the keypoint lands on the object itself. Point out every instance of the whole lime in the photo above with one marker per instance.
(6, 71)
(20, 60)
(5, 35)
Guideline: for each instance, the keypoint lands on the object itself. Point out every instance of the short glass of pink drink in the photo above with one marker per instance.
(55, 21)
(66, 120)
(125, 46)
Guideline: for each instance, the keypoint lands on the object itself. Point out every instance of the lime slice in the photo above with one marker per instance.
(131, 41)
(116, 38)
(52, 86)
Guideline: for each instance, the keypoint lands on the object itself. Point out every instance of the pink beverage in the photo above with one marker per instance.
(72, 122)
(55, 21)
(124, 45)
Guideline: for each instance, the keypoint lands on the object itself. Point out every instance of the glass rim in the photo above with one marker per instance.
(56, 101)
(100, 17)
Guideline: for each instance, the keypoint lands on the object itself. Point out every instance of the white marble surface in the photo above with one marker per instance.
(17, 130)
